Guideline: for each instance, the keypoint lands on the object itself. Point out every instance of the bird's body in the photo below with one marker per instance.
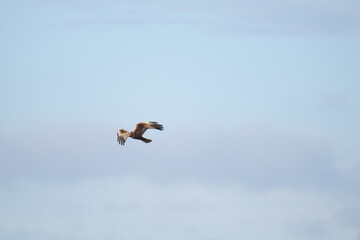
(140, 129)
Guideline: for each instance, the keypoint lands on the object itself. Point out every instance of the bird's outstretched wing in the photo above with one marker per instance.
(122, 135)
(143, 126)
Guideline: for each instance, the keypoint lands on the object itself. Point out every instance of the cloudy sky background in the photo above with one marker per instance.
(259, 100)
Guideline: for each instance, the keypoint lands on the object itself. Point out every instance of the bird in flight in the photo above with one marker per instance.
(140, 129)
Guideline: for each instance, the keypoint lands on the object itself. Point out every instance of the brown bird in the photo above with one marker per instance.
(140, 129)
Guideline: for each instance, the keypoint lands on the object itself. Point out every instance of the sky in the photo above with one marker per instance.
(259, 101)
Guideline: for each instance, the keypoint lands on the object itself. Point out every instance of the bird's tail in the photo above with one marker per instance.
(157, 126)
(145, 140)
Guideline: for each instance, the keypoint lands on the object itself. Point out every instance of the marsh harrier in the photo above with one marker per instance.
(140, 129)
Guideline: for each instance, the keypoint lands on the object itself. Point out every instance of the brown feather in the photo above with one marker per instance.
(140, 129)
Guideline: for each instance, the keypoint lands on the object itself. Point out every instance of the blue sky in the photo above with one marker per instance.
(259, 102)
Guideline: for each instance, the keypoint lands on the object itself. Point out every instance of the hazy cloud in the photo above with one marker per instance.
(119, 207)
(259, 17)
(257, 156)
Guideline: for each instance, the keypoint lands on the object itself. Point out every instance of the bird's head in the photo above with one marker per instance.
(122, 131)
